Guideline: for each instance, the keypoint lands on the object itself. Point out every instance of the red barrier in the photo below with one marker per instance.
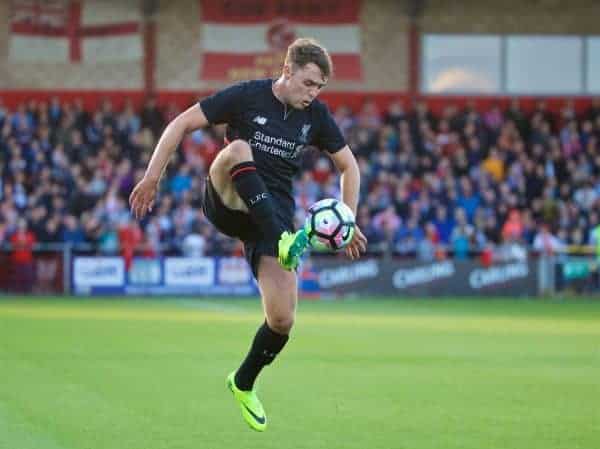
(44, 276)
(183, 99)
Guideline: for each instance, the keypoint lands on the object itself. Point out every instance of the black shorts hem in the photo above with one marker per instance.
(238, 224)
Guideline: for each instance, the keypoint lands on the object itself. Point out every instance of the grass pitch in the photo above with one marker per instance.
(99, 374)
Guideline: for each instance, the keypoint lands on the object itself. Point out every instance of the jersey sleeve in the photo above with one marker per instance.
(223, 106)
(329, 137)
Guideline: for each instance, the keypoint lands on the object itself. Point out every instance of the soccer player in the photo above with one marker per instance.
(248, 192)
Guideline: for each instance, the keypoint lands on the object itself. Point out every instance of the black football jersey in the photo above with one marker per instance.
(276, 132)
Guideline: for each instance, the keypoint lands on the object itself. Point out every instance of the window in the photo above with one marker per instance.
(544, 64)
(511, 64)
(593, 65)
(461, 64)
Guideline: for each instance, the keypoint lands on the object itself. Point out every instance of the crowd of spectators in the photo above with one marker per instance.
(464, 182)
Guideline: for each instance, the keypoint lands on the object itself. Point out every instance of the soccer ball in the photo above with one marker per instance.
(329, 225)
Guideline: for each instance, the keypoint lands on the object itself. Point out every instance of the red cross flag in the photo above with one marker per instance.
(75, 31)
(248, 38)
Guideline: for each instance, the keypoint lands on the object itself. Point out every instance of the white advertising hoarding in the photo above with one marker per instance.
(189, 271)
(98, 272)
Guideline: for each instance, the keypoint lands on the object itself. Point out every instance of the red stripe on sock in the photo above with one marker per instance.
(241, 170)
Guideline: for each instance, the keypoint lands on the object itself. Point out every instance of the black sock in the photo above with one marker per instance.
(265, 347)
(253, 191)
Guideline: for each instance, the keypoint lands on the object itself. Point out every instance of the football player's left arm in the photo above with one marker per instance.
(346, 163)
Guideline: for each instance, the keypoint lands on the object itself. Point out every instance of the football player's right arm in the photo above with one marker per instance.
(190, 120)
(141, 199)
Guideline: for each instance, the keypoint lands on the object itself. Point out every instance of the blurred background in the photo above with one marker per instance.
(475, 123)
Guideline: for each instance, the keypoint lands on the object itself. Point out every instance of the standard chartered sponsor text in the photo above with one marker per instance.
(277, 146)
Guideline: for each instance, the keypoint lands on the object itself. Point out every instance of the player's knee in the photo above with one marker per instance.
(238, 151)
(281, 323)
(233, 154)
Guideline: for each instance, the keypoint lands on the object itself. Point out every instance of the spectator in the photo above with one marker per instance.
(194, 243)
(512, 230)
(387, 223)
(416, 166)
(460, 240)
(468, 200)
(130, 237)
(409, 237)
(494, 165)
(546, 243)
(151, 117)
(427, 248)
(444, 224)
(108, 240)
(22, 242)
(72, 232)
(181, 182)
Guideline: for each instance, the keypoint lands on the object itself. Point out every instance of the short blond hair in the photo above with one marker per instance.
(304, 51)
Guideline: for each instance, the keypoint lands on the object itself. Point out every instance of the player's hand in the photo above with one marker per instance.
(142, 198)
(357, 245)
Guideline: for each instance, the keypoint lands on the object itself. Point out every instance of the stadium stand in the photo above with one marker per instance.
(466, 181)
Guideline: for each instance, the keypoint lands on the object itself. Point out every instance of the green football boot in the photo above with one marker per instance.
(252, 409)
(291, 247)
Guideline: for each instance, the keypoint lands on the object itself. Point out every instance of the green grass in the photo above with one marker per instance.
(111, 374)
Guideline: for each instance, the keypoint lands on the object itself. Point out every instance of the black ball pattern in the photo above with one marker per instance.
(330, 237)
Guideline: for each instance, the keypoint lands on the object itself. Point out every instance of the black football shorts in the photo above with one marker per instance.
(238, 224)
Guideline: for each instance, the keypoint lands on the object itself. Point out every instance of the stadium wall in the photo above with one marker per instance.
(4, 14)
(511, 16)
(354, 100)
(178, 43)
(84, 75)
(385, 53)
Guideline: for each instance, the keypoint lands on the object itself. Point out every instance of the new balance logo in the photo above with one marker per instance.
(260, 120)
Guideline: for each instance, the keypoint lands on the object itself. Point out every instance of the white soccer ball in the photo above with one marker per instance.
(329, 225)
